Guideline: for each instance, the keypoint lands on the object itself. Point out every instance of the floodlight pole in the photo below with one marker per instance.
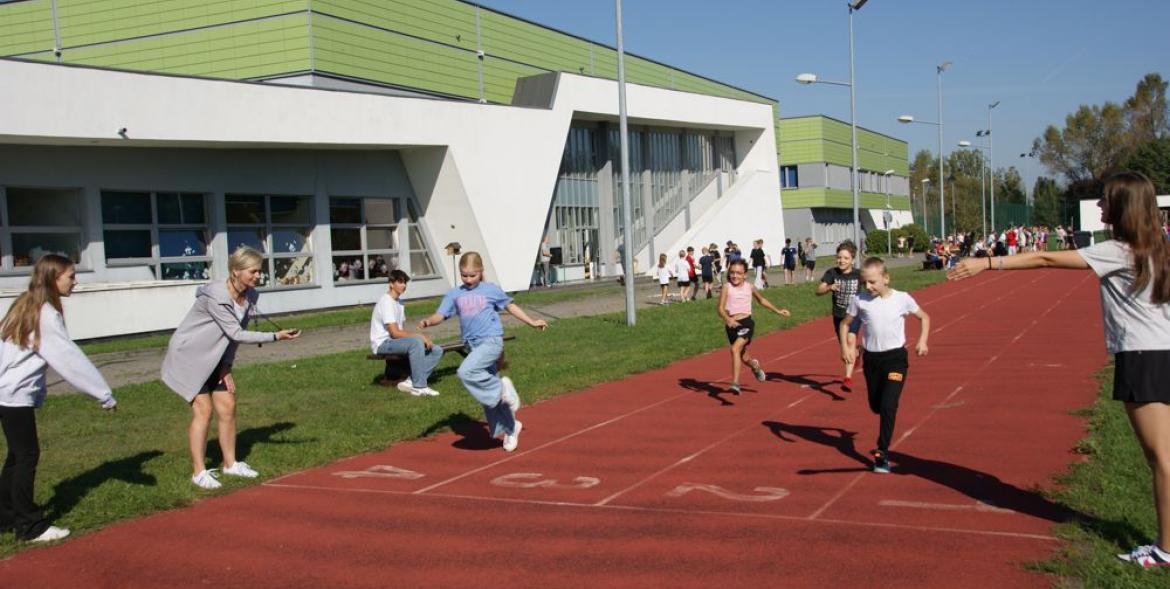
(627, 205)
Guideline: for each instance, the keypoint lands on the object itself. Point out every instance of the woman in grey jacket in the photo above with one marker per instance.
(198, 364)
(34, 338)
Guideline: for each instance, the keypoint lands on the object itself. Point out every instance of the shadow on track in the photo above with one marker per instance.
(473, 433)
(981, 486)
(806, 380)
(710, 388)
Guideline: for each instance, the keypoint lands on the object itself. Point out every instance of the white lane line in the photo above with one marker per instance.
(547, 444)
(754, 424)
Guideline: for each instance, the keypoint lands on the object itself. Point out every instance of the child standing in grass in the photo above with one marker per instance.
(34, 339)
(664, 274)
(882, 311)
(1133, 269)
(735, 309)
(477, 302)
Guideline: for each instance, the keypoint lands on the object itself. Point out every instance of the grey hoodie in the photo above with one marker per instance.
(209, 334)
(22, 370)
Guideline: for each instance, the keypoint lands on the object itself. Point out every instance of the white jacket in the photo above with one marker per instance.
(22, 370)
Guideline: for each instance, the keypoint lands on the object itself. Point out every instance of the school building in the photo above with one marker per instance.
(816, 168)
(345, 138)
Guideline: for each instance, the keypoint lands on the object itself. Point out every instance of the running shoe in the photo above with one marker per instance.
(405, 386)
(424, 392)
(206, 480)
(51, 534)
(1147, 556)
(847, 385)
(241, 469)
(881, 463)
(759, 372)
(512, 440)
(734, 388)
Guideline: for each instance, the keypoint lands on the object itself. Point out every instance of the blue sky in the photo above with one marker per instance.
(1040, 58)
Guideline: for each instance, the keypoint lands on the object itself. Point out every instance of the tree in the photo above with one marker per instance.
(1046, 202)
(1153, 160)
(1146, 111)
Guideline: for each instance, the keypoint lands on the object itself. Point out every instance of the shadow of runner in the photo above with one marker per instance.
(705, 387)
(980, 486)
(805, 380)
(69, 492)
(473, 433)
(250, 437)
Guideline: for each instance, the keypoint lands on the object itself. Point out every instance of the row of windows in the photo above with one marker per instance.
(168, 232)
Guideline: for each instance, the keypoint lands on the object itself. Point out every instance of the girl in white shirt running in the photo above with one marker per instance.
(1134, 271)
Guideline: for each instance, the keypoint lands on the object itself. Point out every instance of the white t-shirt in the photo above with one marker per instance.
(386, 311)
(682, 270)
(884, 319)
(664, 275)
(1132, 323)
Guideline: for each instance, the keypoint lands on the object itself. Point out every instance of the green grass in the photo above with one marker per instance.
(1113, 490)
(97, 468)
(333, 318)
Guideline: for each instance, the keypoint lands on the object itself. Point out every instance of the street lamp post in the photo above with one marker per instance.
(942, 233)
(887, 215)
(627, 206)
(991, 160)
(854, 6)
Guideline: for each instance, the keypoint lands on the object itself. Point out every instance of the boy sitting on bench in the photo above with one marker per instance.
(388, 336)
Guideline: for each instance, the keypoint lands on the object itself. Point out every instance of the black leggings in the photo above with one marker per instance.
(18, 511)
(885, 374)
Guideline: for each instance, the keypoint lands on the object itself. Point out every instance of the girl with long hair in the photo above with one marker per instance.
(198, 364)
(1134, 273)
(35, 339)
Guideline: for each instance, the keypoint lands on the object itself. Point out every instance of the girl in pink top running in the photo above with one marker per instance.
(735, 308)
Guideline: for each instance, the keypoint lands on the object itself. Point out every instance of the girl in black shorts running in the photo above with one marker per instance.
(735, 309)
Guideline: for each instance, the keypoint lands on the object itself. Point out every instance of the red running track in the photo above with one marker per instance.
(662, 479)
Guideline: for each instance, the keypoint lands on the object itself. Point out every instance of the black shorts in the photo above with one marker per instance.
(1142, 377)
(790, 266)
(708, 278)
(853, 327)
(214, 383)
(746, 329)
(810, 264)
(682, 282)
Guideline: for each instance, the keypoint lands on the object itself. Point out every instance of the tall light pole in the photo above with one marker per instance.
(887, 215)
(942, 208)
(991, 159)
(627, 205)
(854, 6)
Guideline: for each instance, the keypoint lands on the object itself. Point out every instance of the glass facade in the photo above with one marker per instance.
(668, 167)
(166, 231)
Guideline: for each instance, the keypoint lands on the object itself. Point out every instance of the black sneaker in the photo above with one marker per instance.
(881, 463)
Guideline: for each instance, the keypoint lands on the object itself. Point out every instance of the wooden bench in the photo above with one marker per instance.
(398, 366)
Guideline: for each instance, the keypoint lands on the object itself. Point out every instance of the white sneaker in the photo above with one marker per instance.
(424, 392)
(512, 440)
(406, 386)
(206, 480)
(51, 534)
(241, 469)
(510, 396)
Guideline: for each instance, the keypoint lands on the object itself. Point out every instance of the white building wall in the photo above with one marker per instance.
(484, 174)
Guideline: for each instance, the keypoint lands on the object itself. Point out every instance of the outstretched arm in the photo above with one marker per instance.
(431, 320)
(764, 302)
(1066, 259)
(519, 313)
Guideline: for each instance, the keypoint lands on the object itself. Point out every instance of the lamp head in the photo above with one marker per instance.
(888, 172)
(857, 4)
(964, 143)
(946, 65)
(993, 105)
(926, 180)
(806, 79)
(906, 119)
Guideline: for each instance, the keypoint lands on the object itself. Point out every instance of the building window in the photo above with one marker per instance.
(280, 228)
(165, 230)
(39, 221)
(364, 234)
(789, 178)
(421, 264)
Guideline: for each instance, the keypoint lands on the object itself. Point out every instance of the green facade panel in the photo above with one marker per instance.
(248, 50)
(449, 23)
(85, 22)
(874, 151)
(840, 199)
(26, 27)
(353, 50)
